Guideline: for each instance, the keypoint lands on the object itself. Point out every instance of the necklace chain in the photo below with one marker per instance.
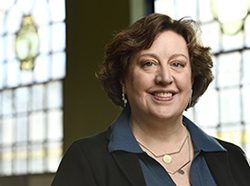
(162, 155)
(169, 158)
(180, 170)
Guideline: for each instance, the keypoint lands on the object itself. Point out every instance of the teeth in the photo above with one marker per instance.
(163, 94)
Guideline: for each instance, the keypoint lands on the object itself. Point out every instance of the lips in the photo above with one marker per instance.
(163, 95)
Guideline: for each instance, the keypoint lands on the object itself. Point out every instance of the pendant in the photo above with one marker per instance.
(167, 159)
(180, 171)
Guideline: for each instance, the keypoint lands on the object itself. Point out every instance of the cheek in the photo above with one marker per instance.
(136, 83)
(187, 79)
(184, 82)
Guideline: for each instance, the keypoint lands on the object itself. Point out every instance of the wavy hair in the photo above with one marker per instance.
(140, 36)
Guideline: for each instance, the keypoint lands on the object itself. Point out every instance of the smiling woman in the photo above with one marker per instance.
(154, 70)
(158, 83)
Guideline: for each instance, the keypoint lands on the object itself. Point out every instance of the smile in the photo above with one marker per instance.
(163, 96)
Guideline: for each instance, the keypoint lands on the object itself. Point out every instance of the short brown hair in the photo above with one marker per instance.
(140, 36)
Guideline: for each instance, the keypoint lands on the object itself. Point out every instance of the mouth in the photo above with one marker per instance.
(163, 95)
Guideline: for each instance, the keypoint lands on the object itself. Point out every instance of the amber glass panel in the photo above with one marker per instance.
(31, 107)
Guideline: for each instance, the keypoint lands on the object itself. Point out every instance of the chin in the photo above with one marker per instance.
(166, 114)
(163, 114)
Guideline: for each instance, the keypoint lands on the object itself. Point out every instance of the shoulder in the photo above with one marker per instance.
(85, 162)
(230, 147)
(88, 152)
(229, 167)
(235, 154)
(91, 144)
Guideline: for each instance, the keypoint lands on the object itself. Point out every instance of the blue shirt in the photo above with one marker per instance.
(122, 139)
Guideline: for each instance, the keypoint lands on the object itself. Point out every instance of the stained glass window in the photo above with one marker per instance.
(223, 110)
(31, 107)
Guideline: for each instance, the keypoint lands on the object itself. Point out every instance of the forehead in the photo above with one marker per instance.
(167, 43)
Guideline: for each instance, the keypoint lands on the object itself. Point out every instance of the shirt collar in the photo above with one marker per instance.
(121, 137)
(201, 140)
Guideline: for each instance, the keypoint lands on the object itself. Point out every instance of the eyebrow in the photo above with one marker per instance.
(179, 55)
(148, 54)
(171, 57)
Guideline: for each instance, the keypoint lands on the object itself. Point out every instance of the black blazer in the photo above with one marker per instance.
(88, 162)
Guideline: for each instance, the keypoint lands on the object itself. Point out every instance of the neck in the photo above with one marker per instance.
(162, 132)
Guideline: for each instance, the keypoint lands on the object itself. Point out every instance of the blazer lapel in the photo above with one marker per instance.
(219, 167)
(130, 166)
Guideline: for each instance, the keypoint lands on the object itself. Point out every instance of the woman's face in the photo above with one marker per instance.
(158, 83)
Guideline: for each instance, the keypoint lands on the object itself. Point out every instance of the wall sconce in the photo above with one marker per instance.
(27, 43)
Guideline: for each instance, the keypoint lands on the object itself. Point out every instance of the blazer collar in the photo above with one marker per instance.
(218, 164)
(128, 164)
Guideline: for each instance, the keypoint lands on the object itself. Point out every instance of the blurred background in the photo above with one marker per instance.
(49, 96)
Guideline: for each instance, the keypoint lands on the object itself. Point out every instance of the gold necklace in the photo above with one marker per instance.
(180, 170)
(166, 157)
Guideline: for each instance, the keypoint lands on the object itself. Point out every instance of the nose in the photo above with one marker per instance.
(163, 77)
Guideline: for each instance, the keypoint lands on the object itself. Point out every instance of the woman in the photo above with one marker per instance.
(155, 70)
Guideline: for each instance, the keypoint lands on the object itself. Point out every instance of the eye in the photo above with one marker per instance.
(148, 63)
(177, 64)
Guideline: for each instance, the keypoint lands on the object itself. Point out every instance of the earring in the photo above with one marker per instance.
(124, 98)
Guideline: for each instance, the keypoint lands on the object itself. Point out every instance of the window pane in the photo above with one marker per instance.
(163, 6)
(20, 162)
(42, 68)
(246, 103)
(7, 102)
(7, 132)
(247, 31)
(13, 68)
(54, 158)
(45, 38)
(246, 67)
(2, 54)
(247, 140)
(234, 133)
(54, 124)
(13, 20)
(205, 13)
(3, 71)
(181, 9)
(6, 163)
(38, 97)
(55, 92)
(230, 105)
(36, 154)
(58, 65)
(37, 127)
(57, 10)
(26, 77)
(207, 101)
(38, 12)
(229, 69)
(22, 129)
(233, 42)
(22, 99)
(58, 37)
(211, 36)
